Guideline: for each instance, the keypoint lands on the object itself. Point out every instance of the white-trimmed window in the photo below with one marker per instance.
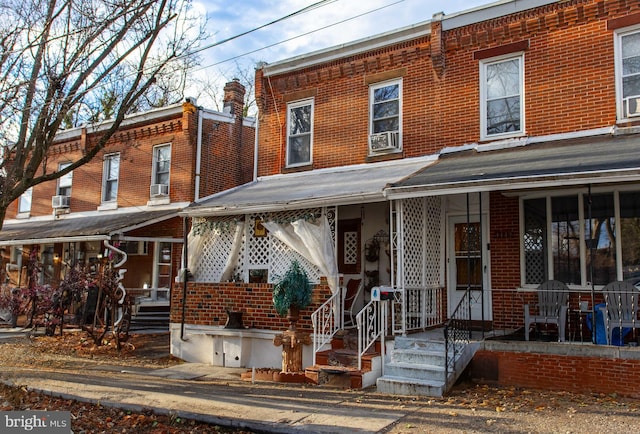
(161, 164)
(502, 97)
(65, 181)
(627, 52)
(111, 174)
(24, 203)
(571, 238)
(385, 116)
(299, 133)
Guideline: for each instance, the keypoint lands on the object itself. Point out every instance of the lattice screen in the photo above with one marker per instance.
(210, 264)
(534, 252)
(413, 241)
(433, 247)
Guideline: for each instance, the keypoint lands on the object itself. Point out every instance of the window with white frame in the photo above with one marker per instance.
(627, 49)
(385, 111)
(24, 203)
(111, 171)
(299, 133)
(65, 181)
(501, 97)
(161, 164)
(573, 237)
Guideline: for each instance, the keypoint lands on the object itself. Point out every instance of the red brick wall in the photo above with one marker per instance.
(568, 66)
(504, 236)
(206, 304)
(570, 373)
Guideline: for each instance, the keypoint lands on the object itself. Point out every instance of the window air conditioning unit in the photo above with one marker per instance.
(632, 105)
(383, 141)
(159, 190)
(58, 202)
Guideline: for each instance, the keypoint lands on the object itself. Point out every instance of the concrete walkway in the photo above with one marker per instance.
(218, 395)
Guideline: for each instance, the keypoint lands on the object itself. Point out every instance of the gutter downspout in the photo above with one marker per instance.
(255, 149)
(196, 194)
(185, 277)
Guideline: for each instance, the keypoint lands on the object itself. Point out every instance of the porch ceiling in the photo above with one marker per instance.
(336, 186)
(581, 161)
(85, 228)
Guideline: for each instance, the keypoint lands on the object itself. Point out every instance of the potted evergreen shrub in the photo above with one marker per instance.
(291, 293)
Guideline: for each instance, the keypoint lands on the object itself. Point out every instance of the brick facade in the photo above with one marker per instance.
(207, 302)
(442, 84)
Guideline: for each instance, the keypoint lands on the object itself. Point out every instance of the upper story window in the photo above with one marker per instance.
(385, 109)
(501, 97)
(161, 168)
(111, 171)
(627, 49)
(568, 239)
(24, 203)
(299, 133)
(64, 182)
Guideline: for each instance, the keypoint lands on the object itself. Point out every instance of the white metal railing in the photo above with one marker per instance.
(417, 309)
(370, 322)
(326, 320)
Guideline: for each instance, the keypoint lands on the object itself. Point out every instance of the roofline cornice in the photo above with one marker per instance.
(459, 19)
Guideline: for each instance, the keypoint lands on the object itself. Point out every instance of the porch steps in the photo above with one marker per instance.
(416, 367)
(150, 317)
(337, 367)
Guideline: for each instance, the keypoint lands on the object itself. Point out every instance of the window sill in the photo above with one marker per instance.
(154, 201)
(383, 156)
(108, 206)
(23, 215)
(294, 169)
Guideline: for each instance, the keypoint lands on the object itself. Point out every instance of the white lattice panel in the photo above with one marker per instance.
(257, 247)
(413, 241)
(281, 256)
(210, 264)
(433, 237)
(351, 247)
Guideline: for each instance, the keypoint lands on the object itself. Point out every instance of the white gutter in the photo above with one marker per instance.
(556, 180)
(55, 240)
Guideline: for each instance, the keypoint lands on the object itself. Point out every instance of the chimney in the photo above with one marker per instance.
(234, 98)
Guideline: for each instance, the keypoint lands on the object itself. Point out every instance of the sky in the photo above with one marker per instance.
(329, 24)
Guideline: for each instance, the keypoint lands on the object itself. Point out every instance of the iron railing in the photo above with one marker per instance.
(326, 320)
(457, 333)
(371, 323)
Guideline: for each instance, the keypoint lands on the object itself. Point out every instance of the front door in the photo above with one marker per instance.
(467, 262)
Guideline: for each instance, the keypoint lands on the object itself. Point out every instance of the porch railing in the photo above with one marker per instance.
(457, 332)
(326, 320)
(416, 309)
(370, 322)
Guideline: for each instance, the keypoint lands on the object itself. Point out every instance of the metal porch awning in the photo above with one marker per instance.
(582, 161)
(336, 186)
(84, 228)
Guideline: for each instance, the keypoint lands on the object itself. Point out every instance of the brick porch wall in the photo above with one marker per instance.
(580, 369)
(206, 304)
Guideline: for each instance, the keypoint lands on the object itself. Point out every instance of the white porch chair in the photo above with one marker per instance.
(553, 297)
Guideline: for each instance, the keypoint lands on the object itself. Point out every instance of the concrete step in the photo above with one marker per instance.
(400, 386)
(412, 371)
(419, 356)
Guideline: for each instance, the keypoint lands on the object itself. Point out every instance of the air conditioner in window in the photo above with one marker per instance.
(60, 202)
(632, 105)
(383, 141)
(159, 190)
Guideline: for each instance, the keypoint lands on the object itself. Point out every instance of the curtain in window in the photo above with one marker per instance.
(313, 241)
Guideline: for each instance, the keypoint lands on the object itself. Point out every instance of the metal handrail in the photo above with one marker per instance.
(457, 332)
(370, 325)
(326, 320)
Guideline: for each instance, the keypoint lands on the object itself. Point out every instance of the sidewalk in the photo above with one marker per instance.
(217, 395)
